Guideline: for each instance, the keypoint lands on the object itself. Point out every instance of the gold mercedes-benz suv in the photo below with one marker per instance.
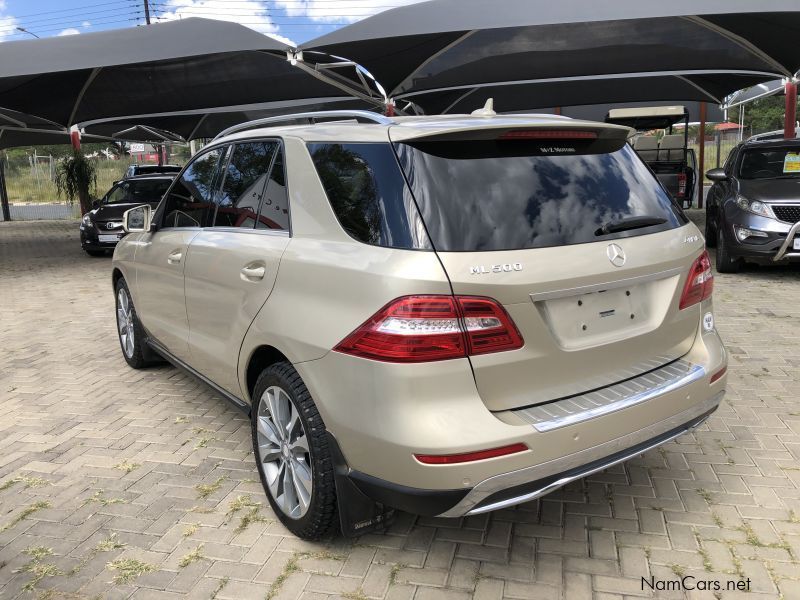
(442, 315)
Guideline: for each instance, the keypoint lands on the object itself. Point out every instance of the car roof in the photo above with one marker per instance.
(419, 127)
(771, 143)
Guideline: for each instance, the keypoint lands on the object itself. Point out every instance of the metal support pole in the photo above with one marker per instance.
(147, 12)
(3, 191)
(701, 161)
(790, 119)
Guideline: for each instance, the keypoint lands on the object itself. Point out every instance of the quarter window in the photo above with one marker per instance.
(189, 202)
(244, 183)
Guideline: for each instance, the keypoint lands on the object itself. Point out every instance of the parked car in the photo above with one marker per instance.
(753, 207)
(441, 315)
(101, 227)
(668, 155)
(135, 170)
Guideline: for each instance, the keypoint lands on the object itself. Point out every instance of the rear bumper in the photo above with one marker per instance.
(533, 482)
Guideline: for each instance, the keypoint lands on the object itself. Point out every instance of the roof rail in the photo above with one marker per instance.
(311, 116)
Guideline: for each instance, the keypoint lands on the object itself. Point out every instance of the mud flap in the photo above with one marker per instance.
(358, 514)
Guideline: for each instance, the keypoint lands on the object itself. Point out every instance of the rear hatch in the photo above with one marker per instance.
(571, 233)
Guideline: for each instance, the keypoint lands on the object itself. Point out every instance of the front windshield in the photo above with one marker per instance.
(770, 163)
(139, 191)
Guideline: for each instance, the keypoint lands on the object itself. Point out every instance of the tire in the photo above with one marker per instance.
(711, 233)
(94, 253)
(286, 465)
(134, 350)
(726, 263)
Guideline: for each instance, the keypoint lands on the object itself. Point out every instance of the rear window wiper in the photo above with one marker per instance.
(629, 223)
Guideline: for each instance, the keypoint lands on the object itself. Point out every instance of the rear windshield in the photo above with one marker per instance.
(770, 163)
(494, 195)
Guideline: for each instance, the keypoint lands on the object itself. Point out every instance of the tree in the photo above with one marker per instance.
(75, 177)
(761, 115)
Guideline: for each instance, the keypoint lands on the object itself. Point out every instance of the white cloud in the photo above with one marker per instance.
(69, 31)
(338, 11)
(8, 24)
(86, 24)
(250, 13)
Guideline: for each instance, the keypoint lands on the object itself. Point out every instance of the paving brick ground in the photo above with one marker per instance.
(117, 483)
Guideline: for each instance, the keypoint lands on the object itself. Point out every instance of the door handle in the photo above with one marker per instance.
(175, 257)
(253, 272)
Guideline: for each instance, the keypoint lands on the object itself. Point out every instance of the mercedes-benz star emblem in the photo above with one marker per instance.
(616, 255)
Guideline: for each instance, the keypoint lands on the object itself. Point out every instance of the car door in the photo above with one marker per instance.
(232, 265)
(161, 255)
(721, 190)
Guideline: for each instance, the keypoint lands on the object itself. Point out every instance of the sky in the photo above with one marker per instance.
(288, 20)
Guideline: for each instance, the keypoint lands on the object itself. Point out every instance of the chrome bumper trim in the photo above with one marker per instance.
(504, 481)
(577, 409)
(787, 242)
(608, 285)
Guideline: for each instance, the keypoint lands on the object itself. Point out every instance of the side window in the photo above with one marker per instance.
(243, 185)
(274, 213)
(368, 194)
(189, 202)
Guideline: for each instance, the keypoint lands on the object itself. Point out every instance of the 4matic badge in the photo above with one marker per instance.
(505, 268)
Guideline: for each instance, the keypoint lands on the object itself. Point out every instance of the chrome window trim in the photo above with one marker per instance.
(601, 402)
(587, 289)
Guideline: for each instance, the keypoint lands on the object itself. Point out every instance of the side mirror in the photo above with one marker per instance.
(717, 175)
(95, 203)
(138, 219)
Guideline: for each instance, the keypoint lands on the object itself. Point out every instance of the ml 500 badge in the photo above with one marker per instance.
(506, 268)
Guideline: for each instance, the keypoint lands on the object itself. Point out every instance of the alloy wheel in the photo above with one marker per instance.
(283, 452)
(125, 322)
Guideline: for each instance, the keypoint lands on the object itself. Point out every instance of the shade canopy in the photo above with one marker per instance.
(682, 49)
(175, 66)
(191, 125)
(762, 90)
(13, 137)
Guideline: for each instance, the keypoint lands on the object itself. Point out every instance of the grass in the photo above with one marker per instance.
(30, 482)
(251, 516)
(356, 595)
(704, 494)
(191, 529)
(129, 569)
(26, 512)
(102, 500)
(193, 556)
(222, 583)
(678, 570)
(127, 466)
(23, 185)
(293, 566)
(181, 420)
(38, 552)
(107, 545)
(204, 490)
(393, 573)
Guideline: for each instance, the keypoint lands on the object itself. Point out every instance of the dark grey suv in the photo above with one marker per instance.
(753, 209)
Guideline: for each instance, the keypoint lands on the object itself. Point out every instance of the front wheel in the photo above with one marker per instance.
(130, 331)
(292, 453)
(726, 263)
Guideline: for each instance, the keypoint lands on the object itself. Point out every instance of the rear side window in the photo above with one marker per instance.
(274, 212)
(481, 195)
(244, 183)
(368, 194)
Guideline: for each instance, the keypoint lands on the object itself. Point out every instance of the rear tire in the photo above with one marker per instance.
(132, 338)
(726, 263)
(294, 461)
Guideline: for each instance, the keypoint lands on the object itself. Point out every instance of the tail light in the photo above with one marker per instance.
(429, 328)
(700, 282)
(681, 185)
